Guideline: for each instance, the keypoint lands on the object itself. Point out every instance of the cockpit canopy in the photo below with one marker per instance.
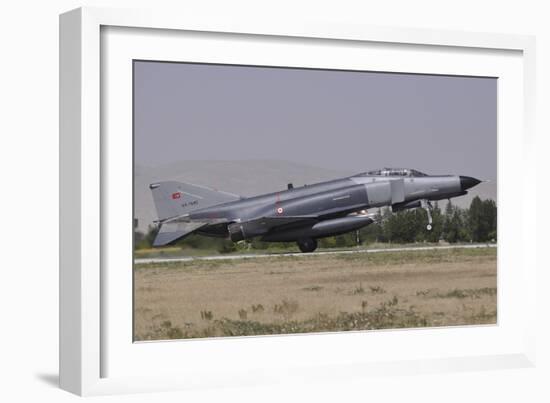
(393, 172)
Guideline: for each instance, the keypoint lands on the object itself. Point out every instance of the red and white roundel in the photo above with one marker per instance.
(279, 210)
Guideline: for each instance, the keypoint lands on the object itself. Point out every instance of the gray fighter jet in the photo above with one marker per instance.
(302, 214)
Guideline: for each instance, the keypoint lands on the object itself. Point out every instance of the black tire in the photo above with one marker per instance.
(307, 245)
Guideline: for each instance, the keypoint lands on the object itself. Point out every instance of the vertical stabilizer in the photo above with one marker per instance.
(173, 199)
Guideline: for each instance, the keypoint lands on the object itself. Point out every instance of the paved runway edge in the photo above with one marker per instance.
(338, 252)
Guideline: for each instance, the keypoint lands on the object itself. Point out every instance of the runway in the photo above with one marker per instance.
(336, 252)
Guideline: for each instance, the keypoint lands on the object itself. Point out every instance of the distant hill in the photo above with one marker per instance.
(248, 178)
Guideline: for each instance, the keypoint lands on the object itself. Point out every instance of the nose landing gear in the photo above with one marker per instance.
(426, 205)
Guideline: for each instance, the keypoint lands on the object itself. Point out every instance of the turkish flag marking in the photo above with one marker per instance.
(176, 195)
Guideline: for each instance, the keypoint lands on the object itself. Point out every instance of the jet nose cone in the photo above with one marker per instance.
(467, 182)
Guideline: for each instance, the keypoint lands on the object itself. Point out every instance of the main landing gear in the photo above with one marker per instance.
(307, 245)
(426, 205)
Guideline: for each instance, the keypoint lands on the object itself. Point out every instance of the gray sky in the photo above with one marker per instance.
(332, 119)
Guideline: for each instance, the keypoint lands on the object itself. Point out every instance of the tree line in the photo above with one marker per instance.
(477, 223)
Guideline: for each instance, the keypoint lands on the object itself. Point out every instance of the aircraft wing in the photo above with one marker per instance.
(262, 225)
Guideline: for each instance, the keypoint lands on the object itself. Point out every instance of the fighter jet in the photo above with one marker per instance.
(298, 214)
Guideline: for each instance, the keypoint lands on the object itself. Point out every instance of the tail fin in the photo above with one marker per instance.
(173, 199)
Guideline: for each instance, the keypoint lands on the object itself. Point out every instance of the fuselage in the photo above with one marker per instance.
(337, 197)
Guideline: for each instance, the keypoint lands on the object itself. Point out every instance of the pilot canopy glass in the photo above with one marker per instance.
(394, 172)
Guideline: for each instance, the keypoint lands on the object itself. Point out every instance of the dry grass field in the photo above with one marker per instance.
(312, 293)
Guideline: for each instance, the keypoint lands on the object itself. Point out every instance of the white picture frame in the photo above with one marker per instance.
(96, 357)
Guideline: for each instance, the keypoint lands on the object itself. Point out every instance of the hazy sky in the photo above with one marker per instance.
(332, 119)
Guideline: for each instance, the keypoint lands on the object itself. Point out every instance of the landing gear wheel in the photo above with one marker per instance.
(307, 245)
(426, 205)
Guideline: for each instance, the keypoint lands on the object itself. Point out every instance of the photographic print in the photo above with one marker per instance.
(279, 200)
